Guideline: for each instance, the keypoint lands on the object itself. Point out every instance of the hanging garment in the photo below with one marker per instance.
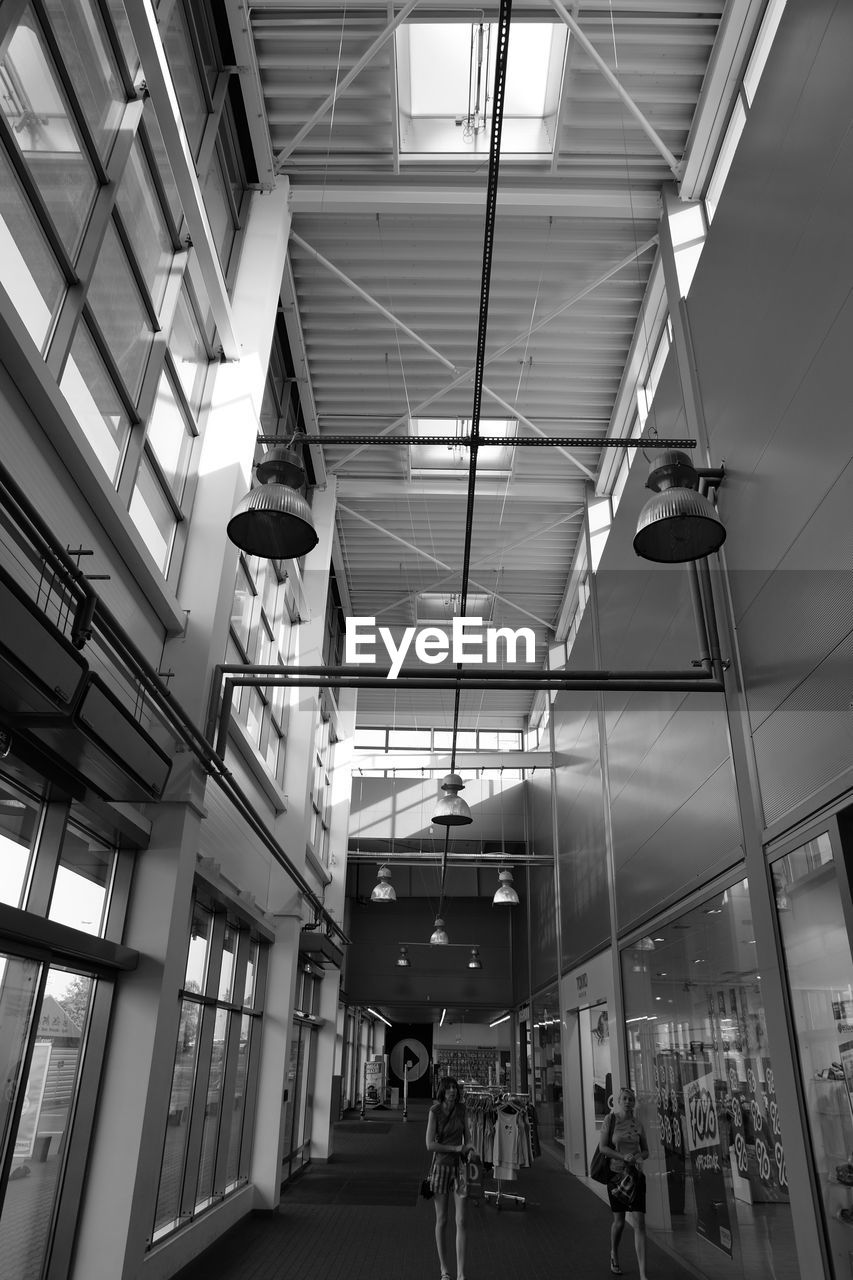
(506, 1153)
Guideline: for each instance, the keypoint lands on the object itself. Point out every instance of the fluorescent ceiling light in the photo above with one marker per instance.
(498, 1021)
(443, 1014)
(379, 1016)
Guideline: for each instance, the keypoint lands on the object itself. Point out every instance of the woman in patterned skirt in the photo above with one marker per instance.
(447, 1139)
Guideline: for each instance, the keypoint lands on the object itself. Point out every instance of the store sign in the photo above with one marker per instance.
(667, 1100)
(374, 1083)
(764, 1113)
(703, 1142)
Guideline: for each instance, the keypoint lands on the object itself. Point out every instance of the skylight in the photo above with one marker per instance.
(450, 460)
(445, 78)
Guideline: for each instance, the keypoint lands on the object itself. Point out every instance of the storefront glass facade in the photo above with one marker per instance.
(548, 1066)
(820, 980)
(701, 1063)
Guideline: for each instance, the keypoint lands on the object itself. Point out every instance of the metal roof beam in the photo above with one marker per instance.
(344, 84)
(442, 200)
(592, 53)
(411, 546)
(395, 487)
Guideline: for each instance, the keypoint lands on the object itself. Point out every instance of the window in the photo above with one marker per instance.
(320, 786)
(261, 633)
(452, 460)
(445, 77)
(31, 275)
(208, 1129)
(156, 506)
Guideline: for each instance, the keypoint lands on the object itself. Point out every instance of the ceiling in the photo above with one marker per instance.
(402, 238)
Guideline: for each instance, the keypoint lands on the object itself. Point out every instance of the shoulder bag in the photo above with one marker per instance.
(599, 1165)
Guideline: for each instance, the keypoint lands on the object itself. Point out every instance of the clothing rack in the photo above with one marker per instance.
(499, 1195)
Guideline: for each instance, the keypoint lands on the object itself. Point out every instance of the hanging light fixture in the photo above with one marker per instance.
(505, 895)
(678, 523)
(452, 810)
(439, 936)
(383, 890)
(403, 961)
(274, 521)
(475, 962)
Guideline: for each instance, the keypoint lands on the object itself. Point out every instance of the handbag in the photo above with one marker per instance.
(474, 1177)
(625, 1189)
(599, 1165)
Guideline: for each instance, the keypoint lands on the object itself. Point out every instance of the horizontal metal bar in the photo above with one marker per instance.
(682, 684)
(485, 860)
(274, 675)
(500, 442)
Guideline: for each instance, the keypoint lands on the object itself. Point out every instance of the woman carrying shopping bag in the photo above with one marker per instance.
(624, 1142)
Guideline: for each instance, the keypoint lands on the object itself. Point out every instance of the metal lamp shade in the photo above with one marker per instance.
(403, 961)
(383, 890)
(274, 521)
(475, 962)
(505, 895)
(452, 811)
(678, 523)
(677, 526)
(439, 937)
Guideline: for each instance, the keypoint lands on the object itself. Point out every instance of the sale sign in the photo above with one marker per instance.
(767, 1130)
(703, 1142)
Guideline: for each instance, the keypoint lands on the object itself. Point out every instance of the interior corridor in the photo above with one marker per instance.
(359, 1217)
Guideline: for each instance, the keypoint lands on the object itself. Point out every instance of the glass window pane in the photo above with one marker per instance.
(177, 1125)
(219, 213)
(169, 439)
(702, 1065)
(184, 69)
(118, 13)
(95, 402)
(251, 971)
(820, 980)
(79, 896)
(144, 224)
(238, 1103)
(152, 513)
(241, 612)
(89, 62)
(158, 151)
(199, 947)
(43, 129)
(188, 354)
(18, 985)
(31, 275)
(226, 972)
(115, 300)
(204, 1188)
(42, 1132)
(18, 827)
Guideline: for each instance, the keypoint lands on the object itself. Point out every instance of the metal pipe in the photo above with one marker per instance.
(603, 676)
(699, 616)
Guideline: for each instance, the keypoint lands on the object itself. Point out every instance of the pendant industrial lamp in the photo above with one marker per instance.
(505, 894)
(274, 521)
(452, 810)
(475, 962)
(439, 936)
(403, 961)
(678, 523)
(383, 890)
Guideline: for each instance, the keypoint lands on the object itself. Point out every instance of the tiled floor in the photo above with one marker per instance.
(359, 1217)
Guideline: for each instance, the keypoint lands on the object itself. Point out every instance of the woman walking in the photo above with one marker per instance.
(447, 1139)
(623, 1140)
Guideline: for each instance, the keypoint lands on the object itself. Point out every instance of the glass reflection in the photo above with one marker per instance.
(702, 1065)
(43, 129)
(820, 977)
(42, 1131)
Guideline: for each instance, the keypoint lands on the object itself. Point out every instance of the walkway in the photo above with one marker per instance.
(359, 1217)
